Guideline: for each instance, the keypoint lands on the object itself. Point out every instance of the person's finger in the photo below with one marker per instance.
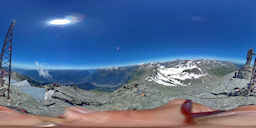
(80, 110)
(245, 108)
(169, 114)
(241, 116)
(5, 109)
(74, 113)
(200, 108)
(14, 118)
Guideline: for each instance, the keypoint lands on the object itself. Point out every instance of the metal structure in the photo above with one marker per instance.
(249, 57)
(252, 83)
(246, 71)
(253, 77)
(6, 58)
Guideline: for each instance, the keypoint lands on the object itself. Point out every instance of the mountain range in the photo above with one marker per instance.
(172, 73)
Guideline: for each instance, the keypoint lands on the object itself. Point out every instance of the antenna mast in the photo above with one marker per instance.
(6, 58)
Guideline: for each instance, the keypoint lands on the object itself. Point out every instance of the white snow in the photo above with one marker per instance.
(48, 94)
(174, 75)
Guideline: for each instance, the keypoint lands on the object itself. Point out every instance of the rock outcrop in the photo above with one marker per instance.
(70, 96)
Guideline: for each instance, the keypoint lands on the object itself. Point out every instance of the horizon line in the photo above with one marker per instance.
(167, 59)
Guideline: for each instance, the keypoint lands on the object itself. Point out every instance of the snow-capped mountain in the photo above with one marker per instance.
(172, 73)
(184, 72)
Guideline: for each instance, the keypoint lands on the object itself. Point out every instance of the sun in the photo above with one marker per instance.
(71, 19)
(59, 22)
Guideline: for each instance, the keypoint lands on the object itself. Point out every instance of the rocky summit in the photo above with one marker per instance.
(150, 86)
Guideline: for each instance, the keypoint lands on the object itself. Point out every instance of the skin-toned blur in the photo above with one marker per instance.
(169, 115)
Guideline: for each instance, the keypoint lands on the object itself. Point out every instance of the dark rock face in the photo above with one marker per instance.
(194, 70)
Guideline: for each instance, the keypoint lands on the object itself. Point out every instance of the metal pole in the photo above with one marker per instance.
(10, 66)
(10, 31)
(7, 61)
(253, 77)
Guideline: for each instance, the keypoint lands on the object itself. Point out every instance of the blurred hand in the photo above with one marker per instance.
(169, 115)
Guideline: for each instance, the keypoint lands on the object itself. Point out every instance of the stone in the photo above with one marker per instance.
(244, 72)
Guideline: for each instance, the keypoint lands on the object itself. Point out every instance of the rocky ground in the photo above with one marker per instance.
(20, 99)
(150, 95)
(145, 95)
(137, 94)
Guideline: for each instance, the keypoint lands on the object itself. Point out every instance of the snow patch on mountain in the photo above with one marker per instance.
(174, 76)
(48, 94)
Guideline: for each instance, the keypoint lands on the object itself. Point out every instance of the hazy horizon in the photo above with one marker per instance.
(84, 34)
(49, 67)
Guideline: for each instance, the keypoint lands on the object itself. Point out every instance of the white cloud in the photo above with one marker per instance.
(41, 71)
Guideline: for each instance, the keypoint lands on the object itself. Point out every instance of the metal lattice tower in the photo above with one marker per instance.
(253, 76)
(6, 58)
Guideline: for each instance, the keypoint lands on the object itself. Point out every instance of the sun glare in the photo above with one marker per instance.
(59, 22)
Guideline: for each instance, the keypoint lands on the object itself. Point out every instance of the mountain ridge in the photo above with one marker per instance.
(116, 77)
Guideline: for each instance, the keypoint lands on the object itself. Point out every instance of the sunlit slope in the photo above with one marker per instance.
(183, 72)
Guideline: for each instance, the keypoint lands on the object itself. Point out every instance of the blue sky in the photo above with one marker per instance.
(124, 32)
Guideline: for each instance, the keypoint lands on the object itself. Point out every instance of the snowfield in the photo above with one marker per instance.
(175, 75)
